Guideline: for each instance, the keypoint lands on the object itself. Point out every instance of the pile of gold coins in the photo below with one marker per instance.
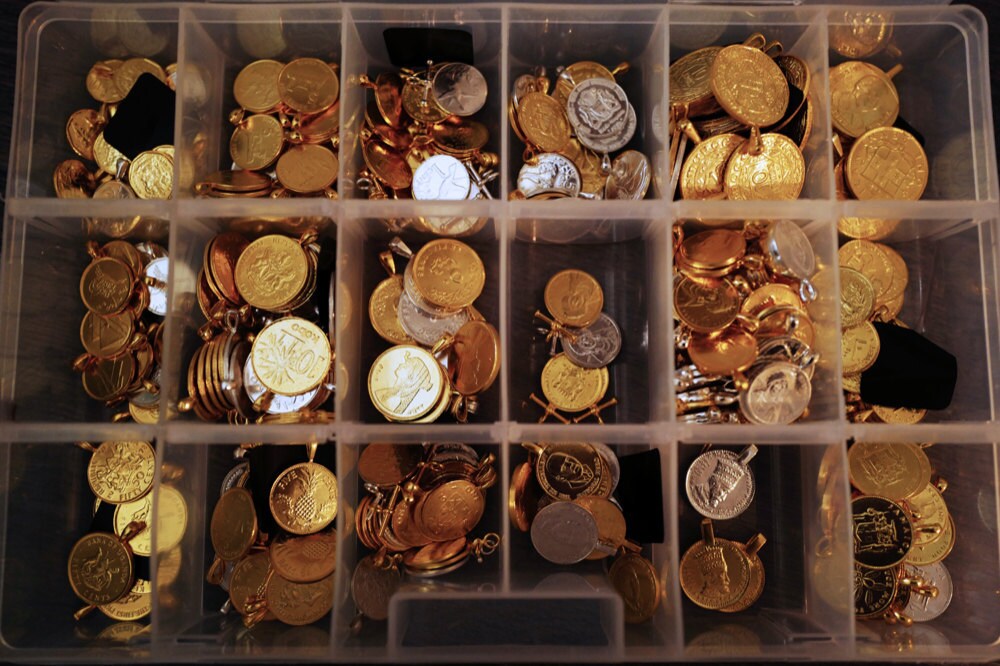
(562, 496)
(745, 335)
(444, 354)
(285, 576)
(286, 132)
(723, 575)
(419, 140)
(576, 380)
(150, 175)
(260, 361)
(571, 133)
(902, 532)
(746, 109)
(124, 289)
(421, 505)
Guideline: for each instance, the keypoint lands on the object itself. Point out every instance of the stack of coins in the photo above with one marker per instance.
(444, 354)
(419, 140)
(576, 380)
(719, 483)
(563, 496)
(902, 531)
(745, 334)
(422, 503)
(125, 292)
(723, 575)
(570, 134)
(286, 576)
(264, 359)
(286, 132)
(746, 109)
(149, 176)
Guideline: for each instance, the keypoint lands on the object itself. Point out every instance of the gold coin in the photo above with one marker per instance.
(389, 97)
(778, 171)
(691, 81)
(610, 524)
(386, 164)
(459, 137)
(899, 415)
(928, 507)
(732, 350)
(291, 356)
(544, 122)
(405, 383)
(576, 74)
(82, 129)
(234, 524)
(891, 470)
(171, 520)
(574, 298)
(101, 81)
(521, 497)
(714, 576)
(126, 74)
(451, 510)
(572, 388)
(121, 472)
(109, 378)
(703, 173)
(107, 156)
(636, 580)
(144, 415)
(100, 568)
(475, 358)
(857, 298)
(303, 498)
(373, 586)
(105, 337)
(900, 273)
(419, 103)
(749, 85)
(852, 383)
(271, 271)
(299, 604)
(151, 175)
(388, 465)
(860, 34)
(924, 554)
(770, 296)
(383, 311)
(588, 163)
(859, 348)
(862, 98)
(256, 142)
(886, 163)
(706, 305)
(135, 605)
(256, 86)
(569, 470)
(72, 180)
(308, 85)
(711, 253)
(868, 259)
(248, 581)
(307, 168)
(106, 286)
(866, 228)
(448, 274)
(755, 586)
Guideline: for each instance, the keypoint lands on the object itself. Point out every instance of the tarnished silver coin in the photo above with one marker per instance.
(551, 173)
(459, 89)
(612, 464)
(719, 483)
(564, 533)
(629, 177)
(923, 607)
(233, 476)
(158, 269)
(425, 327)
(441, 178)
(596, 345)
(789, 250)
(791, 349)
(280, 404)
(599, 108)
(778, 394)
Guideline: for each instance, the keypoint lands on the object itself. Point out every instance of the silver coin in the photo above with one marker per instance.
(718, 485)
(611, 462)
(609, 143)
(524, 84)
(441, 178)
(425, 327)
(233, 476)
(787, 348)
(280, 404)
(142, 397)
(922, 607)
(629, 178)
(564, 533)
(459, 89)
(159, 270)
(150, 249)
(551, 173)
(778, 394)
(595, 346)
(789, 249)
(600, 113)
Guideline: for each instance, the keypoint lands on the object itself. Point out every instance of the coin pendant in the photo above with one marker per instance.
(857, 298)
(706, 305)
(405, 383)
(424, 327)
(308, 85)
(551, 173)
(892, 470)
(303, 498)
(924, 607)
(778, 171)
(574, 298)
(448, 274)
(247, 581)
(372, 587)
(304, 559)
(256, 86)
(874, 590)
(703, 173)
(883, 534)
(887, 163)
(441, 178)
(718, 485)
(595, 346)
(564, 533)
(636, 580)
(862, 98)
(291, 356)
(544, 122)
(234, 524)
(714, 576)
(100, 568)
(779, 394)
(572, 388)
(749, 85)
(860, 346)
(121, 472)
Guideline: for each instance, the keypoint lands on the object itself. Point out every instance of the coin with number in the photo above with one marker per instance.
(291, 356)
(121, 472)
(100, 568)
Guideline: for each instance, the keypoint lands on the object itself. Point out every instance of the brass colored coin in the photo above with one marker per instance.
(886, 163)
(770, 296)
(862, 98)
(448, 274)
(610, 524)
(321, 127)
(125, 75)
(860, 33)
(927, 507)
(544, 122)
(522, 498)
(755, 587)
(373, 586)
(711, 253)
(883, 533)
(222, 255)
(459, 137)
(109, 378)
(388, 465)
(451, 510)
(383, 311)
(868, 259)
(706, 305)
(144, 415)
(101, 81)
(892, 470)
(574, 298)
(299, 604)
(572, 388)
(303, 498)
(386, 164)
(107, 156)
(703, 173)
(135, 605)
(749, 85)
(72, 180)
(899, 415)
(171, 520)
(924, 554)
(151, 175)
(308, 85)
(732, 350)
(405, 383)
(291, 356)
(857, 298)
(900, 273)
(121, 472)
(778, 171)
(124, 252)
(256, 86)
(714, 576)
(859, 348)
(105, 337)
(100, 568)
(271, 271)
(437, 555)
(307, 168)
(874, 591)
(256, 142)
(234, 525)
(569, 470)
(418, 102)
(237, 181)
(248, 580)
(304, 559)
(636, 580)
(140, 510)
(389, 97)
(475, 358)
(82, 129)
(691, 81)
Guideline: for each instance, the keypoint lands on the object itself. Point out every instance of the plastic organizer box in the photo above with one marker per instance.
(515, 606)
